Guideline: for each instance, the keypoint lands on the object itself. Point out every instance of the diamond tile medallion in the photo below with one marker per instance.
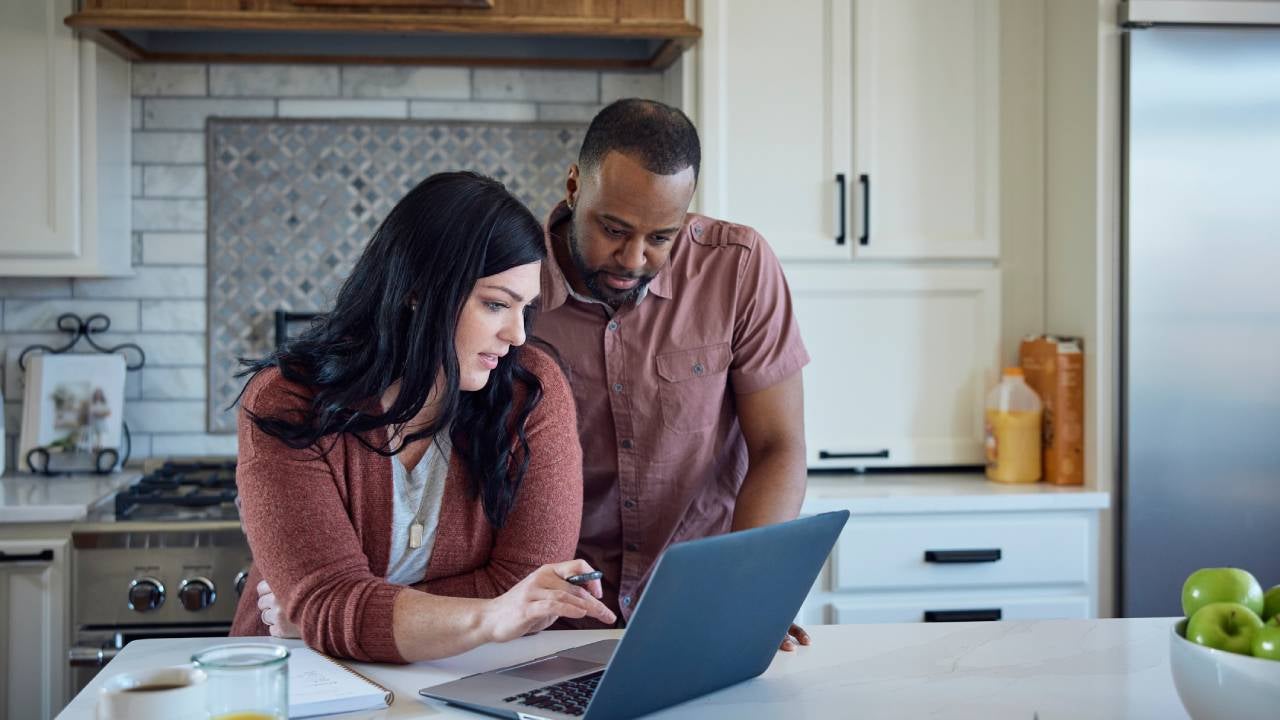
(292, 203)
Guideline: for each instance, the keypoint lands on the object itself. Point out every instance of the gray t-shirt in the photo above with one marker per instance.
(417, 500)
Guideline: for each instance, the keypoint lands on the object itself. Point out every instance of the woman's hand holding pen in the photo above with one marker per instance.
(542, 597)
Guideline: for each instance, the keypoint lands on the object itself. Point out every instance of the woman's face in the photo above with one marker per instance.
(492, 322)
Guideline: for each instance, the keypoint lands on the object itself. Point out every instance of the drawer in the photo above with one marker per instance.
(941, 608)
(956, 551)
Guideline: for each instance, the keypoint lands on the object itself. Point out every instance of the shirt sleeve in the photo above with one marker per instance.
(543, 525)
(304, 543)
(767, 348)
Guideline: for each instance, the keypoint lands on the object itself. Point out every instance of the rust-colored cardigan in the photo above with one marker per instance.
(320, 528)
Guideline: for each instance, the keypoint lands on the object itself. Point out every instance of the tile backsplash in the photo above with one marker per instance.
(163, 307)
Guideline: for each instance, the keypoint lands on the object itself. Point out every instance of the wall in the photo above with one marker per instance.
(162, 307)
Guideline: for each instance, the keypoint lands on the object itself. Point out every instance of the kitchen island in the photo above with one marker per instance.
(1045, 669)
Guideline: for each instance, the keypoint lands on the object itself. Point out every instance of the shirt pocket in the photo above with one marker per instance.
(691, 386)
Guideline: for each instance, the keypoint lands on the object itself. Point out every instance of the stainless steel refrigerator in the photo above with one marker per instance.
(1200, 404)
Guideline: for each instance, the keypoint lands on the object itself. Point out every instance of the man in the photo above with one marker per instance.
(679, 340)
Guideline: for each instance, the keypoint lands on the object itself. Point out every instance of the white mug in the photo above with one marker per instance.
(175, 693)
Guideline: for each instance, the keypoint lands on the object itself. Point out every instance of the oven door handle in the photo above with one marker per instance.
(95, 657)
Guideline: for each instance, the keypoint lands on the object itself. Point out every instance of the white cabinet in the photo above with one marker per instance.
(33, 627)
(854, 128)
(960, 566)
(901, 359)
(65, 139)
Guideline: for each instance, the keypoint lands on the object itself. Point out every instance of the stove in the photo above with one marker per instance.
(167, 558)
(181, 491)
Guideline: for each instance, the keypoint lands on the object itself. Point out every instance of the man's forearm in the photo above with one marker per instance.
(773, 489)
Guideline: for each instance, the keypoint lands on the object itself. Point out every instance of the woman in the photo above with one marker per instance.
(406, 471)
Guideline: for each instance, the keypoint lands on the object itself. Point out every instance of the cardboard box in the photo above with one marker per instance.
(1054, 368)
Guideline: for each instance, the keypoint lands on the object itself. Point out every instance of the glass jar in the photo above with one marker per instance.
(247, 681)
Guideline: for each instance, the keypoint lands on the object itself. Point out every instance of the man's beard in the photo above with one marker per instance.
(591, 276)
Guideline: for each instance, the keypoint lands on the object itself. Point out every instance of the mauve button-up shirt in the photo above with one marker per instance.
(654, 383)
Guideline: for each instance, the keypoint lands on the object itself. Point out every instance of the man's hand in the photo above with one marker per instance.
(275, 620)
(796, 636)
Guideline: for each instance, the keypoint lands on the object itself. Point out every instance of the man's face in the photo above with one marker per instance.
(625, 220)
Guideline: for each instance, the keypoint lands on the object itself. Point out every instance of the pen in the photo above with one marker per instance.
(584, 578)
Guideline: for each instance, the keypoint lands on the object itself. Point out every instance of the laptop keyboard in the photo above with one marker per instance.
(569, 697)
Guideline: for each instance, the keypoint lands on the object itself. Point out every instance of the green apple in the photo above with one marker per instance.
(1266, 642)
(1225, 626)
(1271, 603)
(1230, 585)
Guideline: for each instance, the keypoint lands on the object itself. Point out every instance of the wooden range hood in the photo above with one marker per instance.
(604, 34)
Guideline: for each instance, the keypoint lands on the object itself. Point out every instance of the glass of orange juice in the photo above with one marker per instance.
(247, 681)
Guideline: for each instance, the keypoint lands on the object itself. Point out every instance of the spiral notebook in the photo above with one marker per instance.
(320, 685)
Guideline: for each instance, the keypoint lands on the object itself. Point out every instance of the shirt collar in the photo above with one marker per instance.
(556, 288)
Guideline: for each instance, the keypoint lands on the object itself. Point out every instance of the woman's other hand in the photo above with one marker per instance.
(541, 598)
(271, 615)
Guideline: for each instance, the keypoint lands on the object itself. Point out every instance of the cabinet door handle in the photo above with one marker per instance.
(962, 615)
(42, 556)
(962, 556)
(828, 455)
(865, 238)
(841, 202)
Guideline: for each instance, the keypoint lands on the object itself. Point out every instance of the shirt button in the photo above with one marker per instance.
(632, 547)
(626, 444)
(626, 601)
(617, 387)
(613, 324)
(698, 369)
(628, 503)
(697, 229)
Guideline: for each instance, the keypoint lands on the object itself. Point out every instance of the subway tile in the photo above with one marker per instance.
(168, 147)
(176, 416)
(173, 315)
(191, 114)
(164, 445)
(147, 282)
(135, 181)
(163, 383)
(274, 80)
(33, 287)
(615, 86)
(42, 315)
(483, 111)
(344, 108)
(536, 85)
(170, 215)
(173, 181)
(384, 81)
(554, 112)
(171, 348)
(160, 248)
(135, 114)
(133, 385)
(169, 79)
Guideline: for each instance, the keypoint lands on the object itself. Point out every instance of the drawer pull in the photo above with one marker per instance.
(42, 556)
(962, 556)
(962, 615)
(829, 455)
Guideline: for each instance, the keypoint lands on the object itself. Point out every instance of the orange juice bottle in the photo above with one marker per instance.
(1013, 430)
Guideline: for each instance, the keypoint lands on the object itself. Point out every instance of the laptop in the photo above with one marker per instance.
(714, 613)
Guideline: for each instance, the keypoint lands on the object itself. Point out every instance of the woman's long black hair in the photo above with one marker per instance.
(445, 234)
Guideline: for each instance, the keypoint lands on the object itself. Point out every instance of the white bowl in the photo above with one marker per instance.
(1216, 685)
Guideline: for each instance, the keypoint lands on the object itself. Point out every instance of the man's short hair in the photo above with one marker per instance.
(661, 138)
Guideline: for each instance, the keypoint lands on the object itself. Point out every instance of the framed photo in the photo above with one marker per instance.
(73, 407)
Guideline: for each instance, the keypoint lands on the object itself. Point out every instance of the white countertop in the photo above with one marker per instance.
(28, 498)
(875, 493)
(1046, 669)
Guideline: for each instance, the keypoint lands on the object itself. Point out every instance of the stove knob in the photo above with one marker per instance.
(242, 577)
(146, 594)
(197, 593)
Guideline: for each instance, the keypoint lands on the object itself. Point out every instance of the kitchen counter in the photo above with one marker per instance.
(1048, 669)
(886, 493)
(30, 498)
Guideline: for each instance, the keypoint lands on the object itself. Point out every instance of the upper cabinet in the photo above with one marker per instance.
(849, 129)
(64, 182)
